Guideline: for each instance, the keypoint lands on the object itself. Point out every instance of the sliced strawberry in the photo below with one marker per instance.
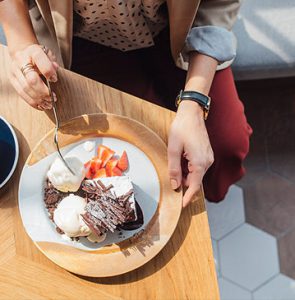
(123, 162)
(97, 163)
(89, 174)
(108, 170)
(105, 154)
(93, 166)
(90, 170)
(110, 165)
(116, 172)
(112, 162)
(87, 165)
(100, 173)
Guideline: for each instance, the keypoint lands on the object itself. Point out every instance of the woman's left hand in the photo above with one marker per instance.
(189, 142)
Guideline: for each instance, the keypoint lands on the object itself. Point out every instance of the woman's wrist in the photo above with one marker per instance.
(14, 14)
(190, 107)
(200, 73)
(14, 48)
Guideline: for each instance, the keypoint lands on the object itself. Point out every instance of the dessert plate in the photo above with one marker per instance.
(120, 252)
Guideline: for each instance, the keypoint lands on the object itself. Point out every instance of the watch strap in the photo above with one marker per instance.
(201, 99)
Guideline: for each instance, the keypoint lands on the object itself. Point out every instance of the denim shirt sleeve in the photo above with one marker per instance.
(214, 41)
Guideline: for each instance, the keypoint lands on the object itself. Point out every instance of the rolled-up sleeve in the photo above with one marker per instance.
(213, 41)
(211, 31)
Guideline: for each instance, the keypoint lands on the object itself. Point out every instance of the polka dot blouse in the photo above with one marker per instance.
(124, 25)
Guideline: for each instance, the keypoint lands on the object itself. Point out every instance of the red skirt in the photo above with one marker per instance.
(151, 74)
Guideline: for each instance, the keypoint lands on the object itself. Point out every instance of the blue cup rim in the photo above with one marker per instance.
(16, 153)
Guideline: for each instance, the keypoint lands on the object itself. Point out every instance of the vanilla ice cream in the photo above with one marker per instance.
(67, 216)
(61, 177)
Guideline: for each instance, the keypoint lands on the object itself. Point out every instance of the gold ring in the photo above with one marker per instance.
(29, 67)
(45, 49)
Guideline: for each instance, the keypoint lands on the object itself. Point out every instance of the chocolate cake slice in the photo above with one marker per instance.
(110, 205)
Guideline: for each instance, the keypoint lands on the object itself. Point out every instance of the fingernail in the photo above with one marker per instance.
(53, 78)
(56, 65)
(174, 184)
(54, 97)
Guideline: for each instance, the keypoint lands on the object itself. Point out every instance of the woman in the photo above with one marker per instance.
(130, 35)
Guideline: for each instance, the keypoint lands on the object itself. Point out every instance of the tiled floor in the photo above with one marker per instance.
(253, 229)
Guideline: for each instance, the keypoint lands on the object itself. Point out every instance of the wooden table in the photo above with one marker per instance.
(184, 269)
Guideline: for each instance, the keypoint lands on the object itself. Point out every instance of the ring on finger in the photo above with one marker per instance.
(29, 67)
(45, 49)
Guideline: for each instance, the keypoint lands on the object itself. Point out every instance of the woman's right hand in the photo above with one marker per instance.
(29, 84)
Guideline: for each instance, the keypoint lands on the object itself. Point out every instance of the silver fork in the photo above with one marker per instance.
(56, 126)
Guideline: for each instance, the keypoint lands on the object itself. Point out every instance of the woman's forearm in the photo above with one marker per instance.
(200, 73)
(15, 19)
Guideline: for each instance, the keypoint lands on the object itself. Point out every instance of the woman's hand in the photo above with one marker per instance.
(28, 83)
(189, 150)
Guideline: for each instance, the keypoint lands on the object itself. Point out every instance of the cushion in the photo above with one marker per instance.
(265, 31)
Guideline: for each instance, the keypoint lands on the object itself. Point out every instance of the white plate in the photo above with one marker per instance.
(31, 203)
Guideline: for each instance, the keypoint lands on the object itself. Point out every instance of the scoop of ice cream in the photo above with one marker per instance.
(61, 177)
(67, 216)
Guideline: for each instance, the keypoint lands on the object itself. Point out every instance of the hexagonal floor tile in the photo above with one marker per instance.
(248, 256)
(216, 257)
(226, 215)
(279, 288)
(230, 291)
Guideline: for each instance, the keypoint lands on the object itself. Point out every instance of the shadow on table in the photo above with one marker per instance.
(167, 253)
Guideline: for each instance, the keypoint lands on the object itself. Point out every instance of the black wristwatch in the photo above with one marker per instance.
(203, 100)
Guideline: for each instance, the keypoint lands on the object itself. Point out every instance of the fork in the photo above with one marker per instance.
(56, 126)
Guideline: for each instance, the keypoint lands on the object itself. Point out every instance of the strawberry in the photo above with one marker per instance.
(100, 173)
(116, 172)
(87, 165)
(105, 154)
(123, 162)
(112, 162)
(110, 165)
(108, 170)
(93, 166)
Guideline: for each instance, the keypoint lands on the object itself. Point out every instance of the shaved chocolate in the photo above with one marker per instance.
(104, 209)
(52, 196)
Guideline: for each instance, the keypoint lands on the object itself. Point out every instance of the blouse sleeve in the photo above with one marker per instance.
(211, 31)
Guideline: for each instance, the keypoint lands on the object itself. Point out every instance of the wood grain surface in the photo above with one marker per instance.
(184, 269)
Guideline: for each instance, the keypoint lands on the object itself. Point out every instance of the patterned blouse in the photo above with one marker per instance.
(132, 24)
(125, 25)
